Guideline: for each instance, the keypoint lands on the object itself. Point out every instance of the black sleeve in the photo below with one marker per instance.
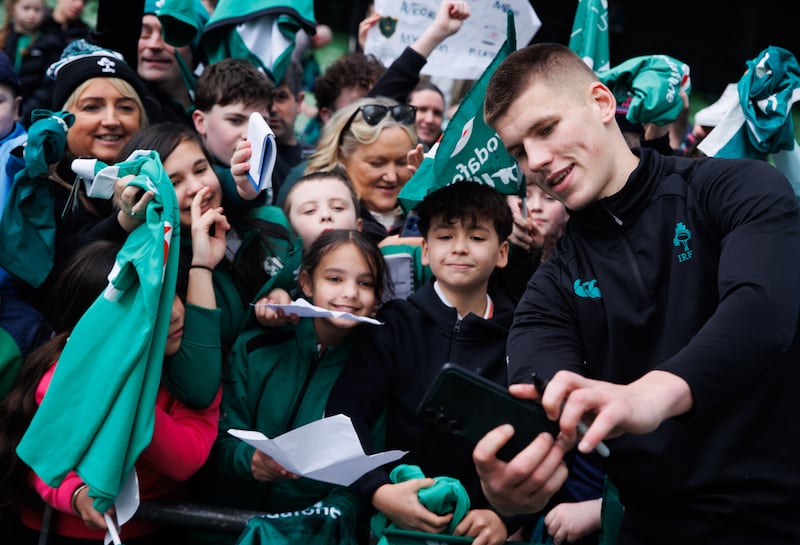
(118, 27)
(401, 77)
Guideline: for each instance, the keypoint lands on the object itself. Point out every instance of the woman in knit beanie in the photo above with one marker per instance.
(105, 96)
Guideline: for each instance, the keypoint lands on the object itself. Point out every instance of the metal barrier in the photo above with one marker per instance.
(196, 515)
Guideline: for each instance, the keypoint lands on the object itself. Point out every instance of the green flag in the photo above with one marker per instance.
(98, 414)
(468, 148)
(28, 223)
(260, 31)
(589, 37)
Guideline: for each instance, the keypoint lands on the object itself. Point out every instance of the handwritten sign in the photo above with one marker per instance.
(464, 55)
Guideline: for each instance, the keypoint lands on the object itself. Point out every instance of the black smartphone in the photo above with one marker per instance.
(466, 405)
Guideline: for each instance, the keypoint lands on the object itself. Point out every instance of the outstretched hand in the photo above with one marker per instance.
(269, 317)
(610, 409)
(451, 16)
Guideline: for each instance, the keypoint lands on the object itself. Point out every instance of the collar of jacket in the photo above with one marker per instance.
(609, 216)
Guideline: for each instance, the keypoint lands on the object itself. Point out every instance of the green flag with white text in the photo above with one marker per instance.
(589, 37)
(468, 149)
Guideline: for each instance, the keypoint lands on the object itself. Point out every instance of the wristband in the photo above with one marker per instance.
(74, 502)
(206, 267)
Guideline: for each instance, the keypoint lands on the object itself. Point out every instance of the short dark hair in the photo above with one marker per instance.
(467, 201)
(292, 78)
(229, 81)
(427, 85)
(551, 62)
(349, 70)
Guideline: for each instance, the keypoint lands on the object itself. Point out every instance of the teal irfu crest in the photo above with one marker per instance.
(681, 240)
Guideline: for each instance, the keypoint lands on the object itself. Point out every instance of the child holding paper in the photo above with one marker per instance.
(227, 93)
(278, 378)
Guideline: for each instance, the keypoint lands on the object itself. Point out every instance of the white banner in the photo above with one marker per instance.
(465, 54)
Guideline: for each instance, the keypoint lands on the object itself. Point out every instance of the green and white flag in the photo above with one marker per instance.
(589, 37)
(260, 31)
(468, 149)
(649, 86)
(28, 222)
(761, 126)
(98, 414)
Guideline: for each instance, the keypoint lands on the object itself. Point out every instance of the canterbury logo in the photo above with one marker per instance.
(587, 289)
(107, 65)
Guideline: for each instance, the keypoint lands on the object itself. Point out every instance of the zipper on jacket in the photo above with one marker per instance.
(631, 258)
(302, 394)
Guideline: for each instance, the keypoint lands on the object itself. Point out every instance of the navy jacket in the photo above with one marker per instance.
(691, 268)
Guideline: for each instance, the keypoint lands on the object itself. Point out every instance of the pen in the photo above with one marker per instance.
(540, 384)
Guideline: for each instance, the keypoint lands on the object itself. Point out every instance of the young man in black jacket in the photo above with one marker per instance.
(666, 319)
(453, 318)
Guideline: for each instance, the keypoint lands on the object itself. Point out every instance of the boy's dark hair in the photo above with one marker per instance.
(467, 201)
(349, 70)
(229, 81)
(330, 240)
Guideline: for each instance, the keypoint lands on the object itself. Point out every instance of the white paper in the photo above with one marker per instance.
(465, 54)
(304, 309)
(326, 450)
(125, 507)
(263, 146)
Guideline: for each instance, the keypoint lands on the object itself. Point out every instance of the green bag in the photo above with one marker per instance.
(332, 521)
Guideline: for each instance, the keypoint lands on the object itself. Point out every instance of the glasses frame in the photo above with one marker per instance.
(399, 112)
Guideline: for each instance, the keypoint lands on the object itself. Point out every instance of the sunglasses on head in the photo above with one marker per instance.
(374, 114)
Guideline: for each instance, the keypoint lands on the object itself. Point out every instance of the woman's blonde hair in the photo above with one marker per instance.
(338, 140)
(125, 89)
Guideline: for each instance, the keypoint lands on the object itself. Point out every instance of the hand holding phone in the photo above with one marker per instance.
(464, 404)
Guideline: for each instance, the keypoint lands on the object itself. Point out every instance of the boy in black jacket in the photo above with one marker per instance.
(453, 318)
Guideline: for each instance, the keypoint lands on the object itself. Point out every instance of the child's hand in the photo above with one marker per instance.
(207, 249)
(266, 469)
(524, 233)
(400, 503)
(568, 522)
(484, 525)
(275, 318)
(239, 166)
(84, 505)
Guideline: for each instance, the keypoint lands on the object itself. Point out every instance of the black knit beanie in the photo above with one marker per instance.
(81, 61)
